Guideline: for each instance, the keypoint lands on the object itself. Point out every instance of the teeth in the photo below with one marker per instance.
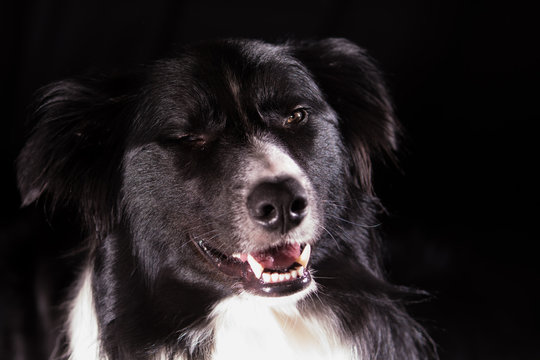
(255, 266)
(268, 277)
(274, 277)
(304, 256)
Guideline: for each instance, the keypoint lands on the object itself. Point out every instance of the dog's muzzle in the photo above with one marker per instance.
(276, 206)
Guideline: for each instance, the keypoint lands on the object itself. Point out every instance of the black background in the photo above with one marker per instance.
(464, 78)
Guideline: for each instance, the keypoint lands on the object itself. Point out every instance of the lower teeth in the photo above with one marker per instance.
(281, 277)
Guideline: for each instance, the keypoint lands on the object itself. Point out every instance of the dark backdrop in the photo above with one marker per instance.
(462, 208)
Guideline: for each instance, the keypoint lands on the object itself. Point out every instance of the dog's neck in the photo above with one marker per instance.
(239, 327)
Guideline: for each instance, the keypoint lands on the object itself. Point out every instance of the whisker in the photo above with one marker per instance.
(329, 233)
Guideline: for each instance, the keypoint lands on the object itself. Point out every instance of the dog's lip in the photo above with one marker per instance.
(284, 279)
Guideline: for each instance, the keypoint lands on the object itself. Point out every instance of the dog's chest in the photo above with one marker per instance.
(247, 329)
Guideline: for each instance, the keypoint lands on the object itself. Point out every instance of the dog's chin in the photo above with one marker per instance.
(279, 271)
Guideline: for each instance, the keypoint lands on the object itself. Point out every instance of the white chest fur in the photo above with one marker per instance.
(244, 327)
(82, 325)
(248, 327)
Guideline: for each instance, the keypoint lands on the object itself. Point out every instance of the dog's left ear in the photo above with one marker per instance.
(353, 86)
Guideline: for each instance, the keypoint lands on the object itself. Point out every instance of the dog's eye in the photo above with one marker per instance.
(297, 116)
(192, 140)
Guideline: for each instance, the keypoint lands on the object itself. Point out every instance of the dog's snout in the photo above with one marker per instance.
(278, 205)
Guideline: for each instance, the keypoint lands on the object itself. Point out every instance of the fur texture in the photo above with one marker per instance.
(162, 160)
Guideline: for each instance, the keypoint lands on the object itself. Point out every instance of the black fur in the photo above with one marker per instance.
(149, 158)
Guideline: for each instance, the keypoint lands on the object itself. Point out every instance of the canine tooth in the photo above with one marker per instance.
(274, 277)
(281, 277)
(294, 274)
(266, 277)
(255, 266)
(304, 256)
(300, 271)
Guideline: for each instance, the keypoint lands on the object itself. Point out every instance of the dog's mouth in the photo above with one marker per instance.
(277, 271)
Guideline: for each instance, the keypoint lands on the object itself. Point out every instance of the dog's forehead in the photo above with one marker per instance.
(258, 53)
(251, 67)
(235, 79)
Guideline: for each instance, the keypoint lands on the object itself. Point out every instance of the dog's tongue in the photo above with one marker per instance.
(280, 257)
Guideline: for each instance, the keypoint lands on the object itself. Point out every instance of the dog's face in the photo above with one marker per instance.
(225, 167)
(239, 163)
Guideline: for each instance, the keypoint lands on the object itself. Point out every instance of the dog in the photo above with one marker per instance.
(227, 197)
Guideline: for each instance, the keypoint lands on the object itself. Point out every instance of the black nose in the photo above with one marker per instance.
(278, 205)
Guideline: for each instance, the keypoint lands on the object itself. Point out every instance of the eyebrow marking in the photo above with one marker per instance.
(236, 92)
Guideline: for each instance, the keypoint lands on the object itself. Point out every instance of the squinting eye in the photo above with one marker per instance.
(297, 116)
(193, 140)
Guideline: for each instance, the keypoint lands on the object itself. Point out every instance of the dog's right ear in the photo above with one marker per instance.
(71, 156)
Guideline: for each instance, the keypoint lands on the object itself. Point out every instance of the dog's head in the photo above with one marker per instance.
(224, 166)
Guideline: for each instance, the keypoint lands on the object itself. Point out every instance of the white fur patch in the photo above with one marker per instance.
(272, 161)
(82, 323)
(243, 327)
(252, 327)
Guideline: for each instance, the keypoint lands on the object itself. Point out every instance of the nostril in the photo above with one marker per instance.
(299, 206)
(266, 212)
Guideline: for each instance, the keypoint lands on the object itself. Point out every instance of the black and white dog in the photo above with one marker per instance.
(228, 201)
